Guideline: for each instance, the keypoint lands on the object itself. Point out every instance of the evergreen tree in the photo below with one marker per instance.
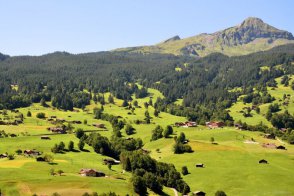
(71, 146)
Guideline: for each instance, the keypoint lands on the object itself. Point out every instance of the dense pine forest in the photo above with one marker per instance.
(202, 83)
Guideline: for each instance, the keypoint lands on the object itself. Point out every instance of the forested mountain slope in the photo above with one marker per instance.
(61, 77)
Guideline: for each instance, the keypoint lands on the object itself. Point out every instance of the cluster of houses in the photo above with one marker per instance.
(186, 124)
(91, 173)
(211, 125)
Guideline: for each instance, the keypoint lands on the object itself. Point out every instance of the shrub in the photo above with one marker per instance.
(29, 114)
(220, 193)
(10, 156)
(185, 170)
(40, 115)
(129, 129)
(79, 133)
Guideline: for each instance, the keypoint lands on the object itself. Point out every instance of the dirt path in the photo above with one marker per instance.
(280, 141)
(175, 191)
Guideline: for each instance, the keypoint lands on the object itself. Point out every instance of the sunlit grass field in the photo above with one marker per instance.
(257, 118)
(230, 165)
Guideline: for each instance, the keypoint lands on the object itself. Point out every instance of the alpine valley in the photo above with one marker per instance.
(211, 114)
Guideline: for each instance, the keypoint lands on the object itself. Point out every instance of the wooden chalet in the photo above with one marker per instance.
(99, 125)
(91, 173)
(213, 125)
(4, 155)
(59, 130)
(270, 136)
(31, 152)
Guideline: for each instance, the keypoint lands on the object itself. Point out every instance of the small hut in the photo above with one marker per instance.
(199, 193)
(263, 161)
(199, 165)
(281, 147)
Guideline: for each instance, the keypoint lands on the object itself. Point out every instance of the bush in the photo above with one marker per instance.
(10, 156)
(41, 115)
(79, 133)
(129, 129)
(58, 148)
(180, 148)
(220, 193)
(185, 170)
(157, 133)
(29, 114)
(48, 158)
(19, 151)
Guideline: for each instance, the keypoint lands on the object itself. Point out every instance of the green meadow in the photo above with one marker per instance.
(230, 165)
(277, 93)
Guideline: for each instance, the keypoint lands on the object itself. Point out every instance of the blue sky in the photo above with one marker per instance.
(35, 27)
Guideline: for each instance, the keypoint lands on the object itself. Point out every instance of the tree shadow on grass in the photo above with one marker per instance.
(85, 150)
(53, 163)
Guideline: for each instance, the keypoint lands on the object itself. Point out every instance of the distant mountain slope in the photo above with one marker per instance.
(252, 35)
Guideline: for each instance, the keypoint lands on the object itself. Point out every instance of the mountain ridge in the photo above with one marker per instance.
(251, 35)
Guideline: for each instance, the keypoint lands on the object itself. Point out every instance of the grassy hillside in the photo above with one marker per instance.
(231, 165)
(277, 93)
(231, 156)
